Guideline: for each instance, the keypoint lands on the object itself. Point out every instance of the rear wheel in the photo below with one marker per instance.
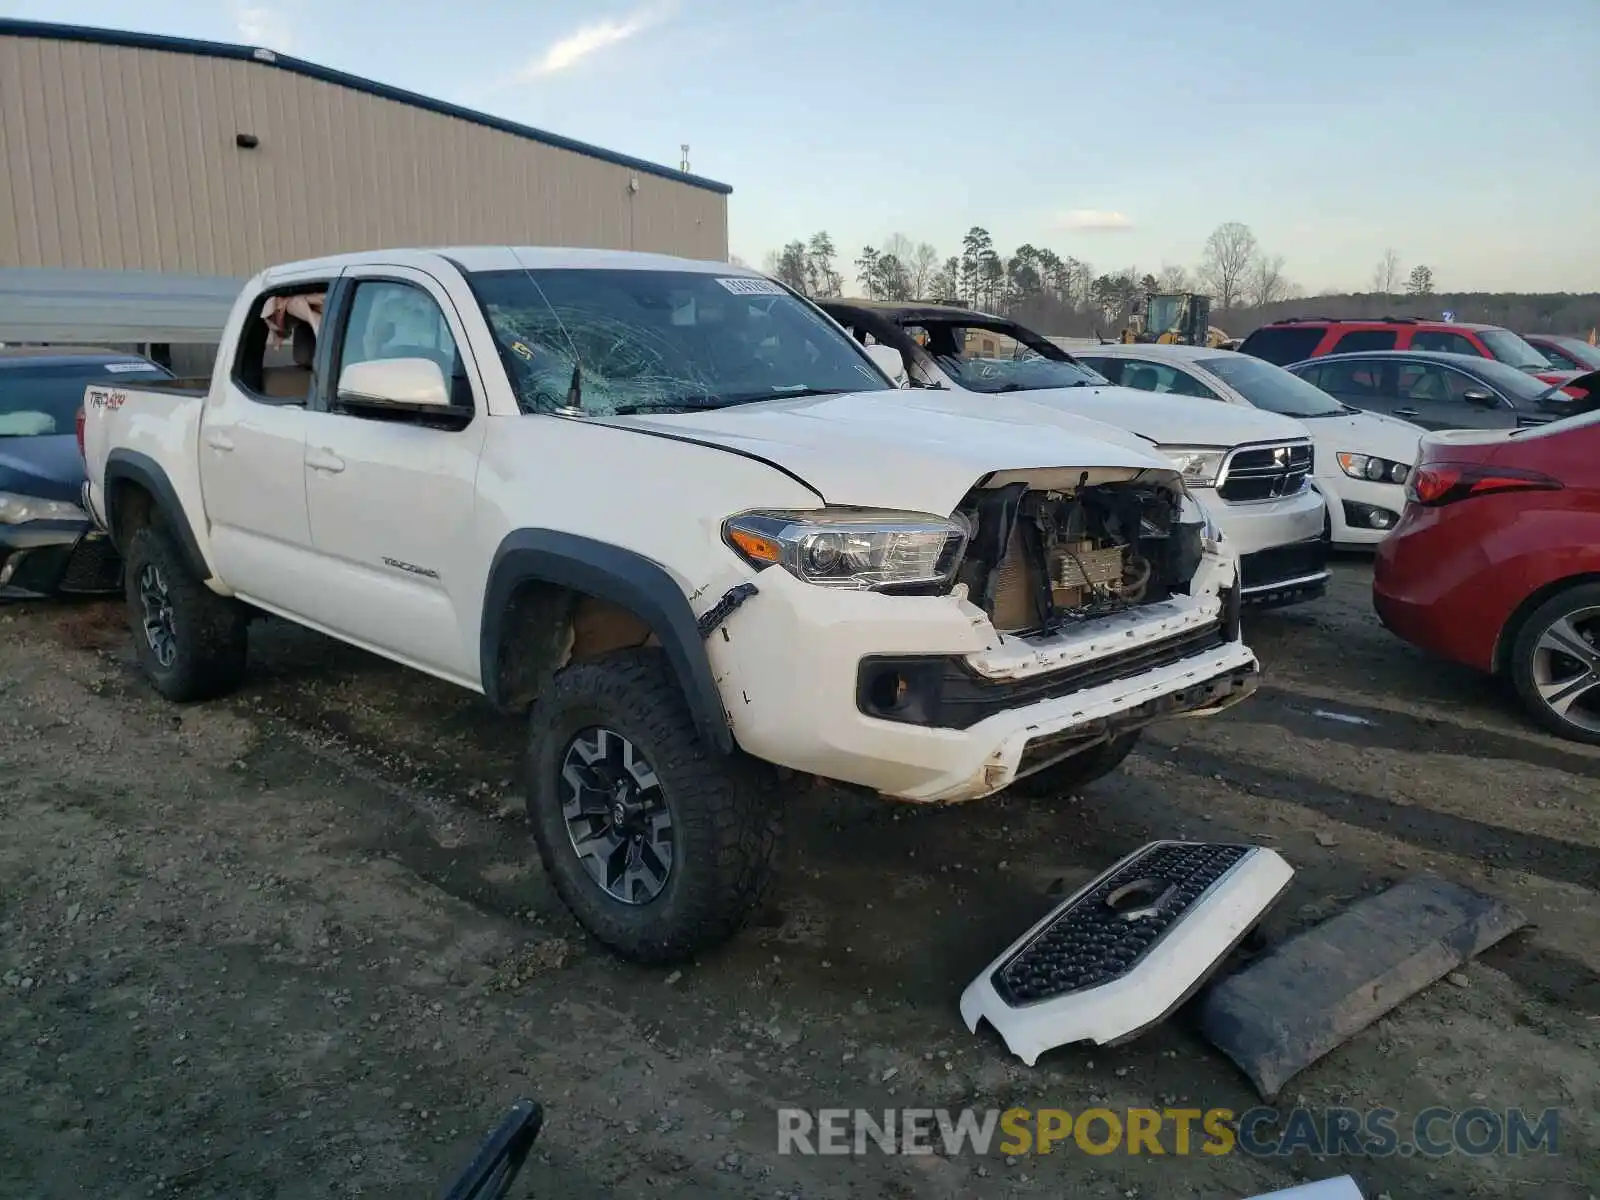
(1555, 663)
(659, 845)
(191, 642)
(1072, 775)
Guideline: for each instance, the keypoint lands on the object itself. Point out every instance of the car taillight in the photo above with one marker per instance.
(1433, 484)
(78, 428)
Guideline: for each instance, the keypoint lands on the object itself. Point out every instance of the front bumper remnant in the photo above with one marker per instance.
(1127, 948)
(48, 558)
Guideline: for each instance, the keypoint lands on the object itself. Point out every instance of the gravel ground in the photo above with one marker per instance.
(297, 944)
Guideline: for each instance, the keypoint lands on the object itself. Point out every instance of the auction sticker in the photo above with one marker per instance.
(745, 285)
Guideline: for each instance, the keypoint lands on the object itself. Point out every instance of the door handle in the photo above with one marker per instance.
(219, 441)
(325, 460)
(1406, 412)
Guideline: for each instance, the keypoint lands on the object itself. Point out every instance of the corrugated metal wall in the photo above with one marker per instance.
(124, 158)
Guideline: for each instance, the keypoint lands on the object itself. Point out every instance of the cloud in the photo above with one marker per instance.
(1093, 218)
(591, 39)
(261, 25)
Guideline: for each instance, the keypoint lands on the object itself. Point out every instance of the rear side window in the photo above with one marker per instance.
(1450, 343)
(1364, 339)
(278, 345)
(1283, 345)
(1111, 368)
(1351, 379)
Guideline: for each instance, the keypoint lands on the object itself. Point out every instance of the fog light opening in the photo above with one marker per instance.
(888, 691)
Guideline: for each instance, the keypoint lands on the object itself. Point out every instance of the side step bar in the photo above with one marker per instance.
(1128, 948)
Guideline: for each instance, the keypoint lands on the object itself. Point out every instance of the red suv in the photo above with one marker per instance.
(1495, 563)
(1299, 338)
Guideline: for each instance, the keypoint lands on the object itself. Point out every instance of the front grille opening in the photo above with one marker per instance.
(1266, 472)
(1038, 560)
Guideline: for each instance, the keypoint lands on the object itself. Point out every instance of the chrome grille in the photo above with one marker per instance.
(1265, 472)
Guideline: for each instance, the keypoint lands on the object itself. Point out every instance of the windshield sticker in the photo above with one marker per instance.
(746, 285)
(124, 367)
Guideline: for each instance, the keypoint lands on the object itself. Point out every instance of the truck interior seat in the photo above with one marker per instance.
(293, 382)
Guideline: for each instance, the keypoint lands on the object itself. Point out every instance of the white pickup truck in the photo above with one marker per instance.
(677, 515)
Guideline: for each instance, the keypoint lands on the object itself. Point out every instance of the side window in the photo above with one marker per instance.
(278, 346)
(1437, 339)
(1557, 358)
(1459, 383)
(1353, 379)
(1422, 382)
(1314, 375)
(1111, 368)
(399, 320)
(1159, 377)
(1364, 339)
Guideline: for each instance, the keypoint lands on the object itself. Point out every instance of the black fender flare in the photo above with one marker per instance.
(143, 470)
(622, 577)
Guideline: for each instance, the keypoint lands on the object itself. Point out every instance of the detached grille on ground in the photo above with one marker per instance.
(1112, 926)
(1265, 472)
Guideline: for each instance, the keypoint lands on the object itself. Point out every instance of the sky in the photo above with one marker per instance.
(1464, 134)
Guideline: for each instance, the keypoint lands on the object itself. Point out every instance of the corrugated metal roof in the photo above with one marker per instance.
(271, 58)
(132, 307)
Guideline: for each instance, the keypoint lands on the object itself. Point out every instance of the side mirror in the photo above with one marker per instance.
(1481, 398)
(398, 384)
(888, 360)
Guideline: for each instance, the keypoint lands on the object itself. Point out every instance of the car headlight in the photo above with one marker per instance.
(1372, 468)
(1199, 465)
(851, 548)
(17, 510)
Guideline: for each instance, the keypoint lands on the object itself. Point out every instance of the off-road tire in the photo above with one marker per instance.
(209, 632)
(724, 810)
(1520, 662)
(1072, 775)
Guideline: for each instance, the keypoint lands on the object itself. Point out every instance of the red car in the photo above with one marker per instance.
(1298, 338)
(1495, 563)
(1565, 353)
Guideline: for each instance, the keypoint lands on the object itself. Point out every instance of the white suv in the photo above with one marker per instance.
(1251, 469)
(1363, 458)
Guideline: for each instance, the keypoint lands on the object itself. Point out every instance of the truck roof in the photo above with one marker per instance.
(510, 258)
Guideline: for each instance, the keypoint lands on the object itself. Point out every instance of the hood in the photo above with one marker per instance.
(48, 467)
(920, 450)
(1171, 420)
(1362, 433)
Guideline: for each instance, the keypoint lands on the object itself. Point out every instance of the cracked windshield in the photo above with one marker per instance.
(662, 341)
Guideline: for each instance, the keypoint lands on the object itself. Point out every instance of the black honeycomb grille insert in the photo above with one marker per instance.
(1095, 942)
(94, 566)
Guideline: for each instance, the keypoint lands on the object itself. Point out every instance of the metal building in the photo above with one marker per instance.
(202, 161)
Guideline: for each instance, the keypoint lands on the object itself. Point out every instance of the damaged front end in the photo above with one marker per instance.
(1078, 546)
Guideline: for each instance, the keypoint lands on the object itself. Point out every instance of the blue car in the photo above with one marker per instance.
(47, 544)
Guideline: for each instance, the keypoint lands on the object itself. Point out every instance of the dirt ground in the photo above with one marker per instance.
(297, 944)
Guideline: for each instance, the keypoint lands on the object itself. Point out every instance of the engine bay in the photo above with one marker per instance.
(1037, 560)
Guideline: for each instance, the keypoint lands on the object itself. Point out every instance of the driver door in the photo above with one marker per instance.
(391, 496)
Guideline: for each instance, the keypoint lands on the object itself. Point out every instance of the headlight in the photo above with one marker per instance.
(1373, 468)
(1199, 465)
(15, 510)
(851, 548)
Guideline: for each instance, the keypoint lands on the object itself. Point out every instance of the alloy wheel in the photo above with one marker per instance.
(616, 815)
(1566, 668)
(159, 627)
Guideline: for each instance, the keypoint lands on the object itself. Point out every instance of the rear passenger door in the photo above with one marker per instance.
(252, 448)
(391, 495)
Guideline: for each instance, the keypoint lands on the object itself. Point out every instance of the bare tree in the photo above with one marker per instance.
(900, 246)
(922, 266)
(1229, 251)
(1386, 275)
(735, 261)
(1174, 279)
(1264, 282)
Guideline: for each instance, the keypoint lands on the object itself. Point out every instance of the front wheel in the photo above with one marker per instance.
(1072, 775)
(1555, 663)
(659, 845)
